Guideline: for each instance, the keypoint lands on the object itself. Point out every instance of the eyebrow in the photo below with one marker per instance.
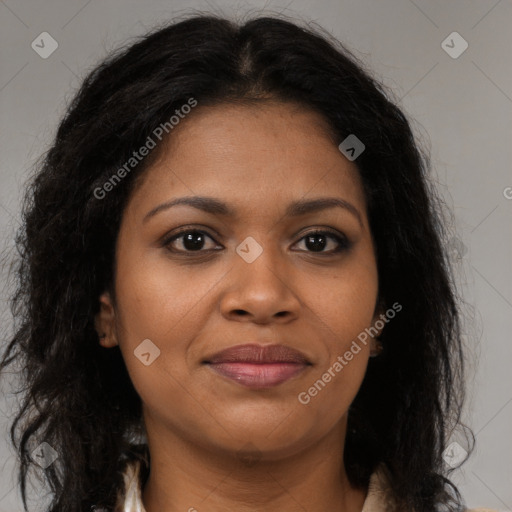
(217, 207)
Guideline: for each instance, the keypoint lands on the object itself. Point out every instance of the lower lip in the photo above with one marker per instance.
(258, 376)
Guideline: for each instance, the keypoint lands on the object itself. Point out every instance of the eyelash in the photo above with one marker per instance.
(343, 242)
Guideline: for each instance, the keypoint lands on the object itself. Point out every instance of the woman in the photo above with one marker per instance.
(233, 290)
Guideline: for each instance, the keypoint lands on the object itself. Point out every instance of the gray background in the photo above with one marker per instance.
(461, 109)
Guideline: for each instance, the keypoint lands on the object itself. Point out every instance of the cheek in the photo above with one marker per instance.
(344, 308)
(330, 393)
(344, 302)
(164, 303)
(330, 390)
(157, 298)
(150, 305)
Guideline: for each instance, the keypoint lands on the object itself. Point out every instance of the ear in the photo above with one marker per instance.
(380, 308)
(104, 322)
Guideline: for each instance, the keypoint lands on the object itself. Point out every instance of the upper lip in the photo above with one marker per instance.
(258, 354)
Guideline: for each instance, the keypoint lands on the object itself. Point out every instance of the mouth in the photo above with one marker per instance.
(257, 366)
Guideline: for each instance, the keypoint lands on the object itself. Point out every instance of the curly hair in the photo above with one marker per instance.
(78, 396)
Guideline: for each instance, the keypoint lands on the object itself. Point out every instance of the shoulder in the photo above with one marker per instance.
(129, 498)
(380, 499)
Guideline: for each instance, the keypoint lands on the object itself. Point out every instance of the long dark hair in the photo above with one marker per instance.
(78, 396)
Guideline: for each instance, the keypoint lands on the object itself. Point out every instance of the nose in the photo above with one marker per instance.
(261, 292)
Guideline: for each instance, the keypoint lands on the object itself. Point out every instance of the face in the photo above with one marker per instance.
(193, 282)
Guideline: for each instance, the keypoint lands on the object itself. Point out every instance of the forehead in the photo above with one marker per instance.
(251, 155)
(264, 126)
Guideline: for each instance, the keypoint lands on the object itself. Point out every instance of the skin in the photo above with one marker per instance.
(216, 445)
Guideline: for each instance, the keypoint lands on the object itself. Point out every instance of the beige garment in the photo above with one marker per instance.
(378, 499)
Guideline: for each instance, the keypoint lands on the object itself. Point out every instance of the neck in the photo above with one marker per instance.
(186, 477)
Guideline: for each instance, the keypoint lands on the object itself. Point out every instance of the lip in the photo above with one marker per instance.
(258, 367)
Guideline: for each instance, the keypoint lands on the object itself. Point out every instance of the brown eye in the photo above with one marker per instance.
(191, 240)
(317, 241)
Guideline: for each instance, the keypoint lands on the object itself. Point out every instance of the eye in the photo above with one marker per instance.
(190, 240)
(317, 241)
(194, 240)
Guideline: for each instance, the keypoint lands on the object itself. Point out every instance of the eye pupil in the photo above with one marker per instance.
(318, 246)
(191, 242)
(316, 242)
